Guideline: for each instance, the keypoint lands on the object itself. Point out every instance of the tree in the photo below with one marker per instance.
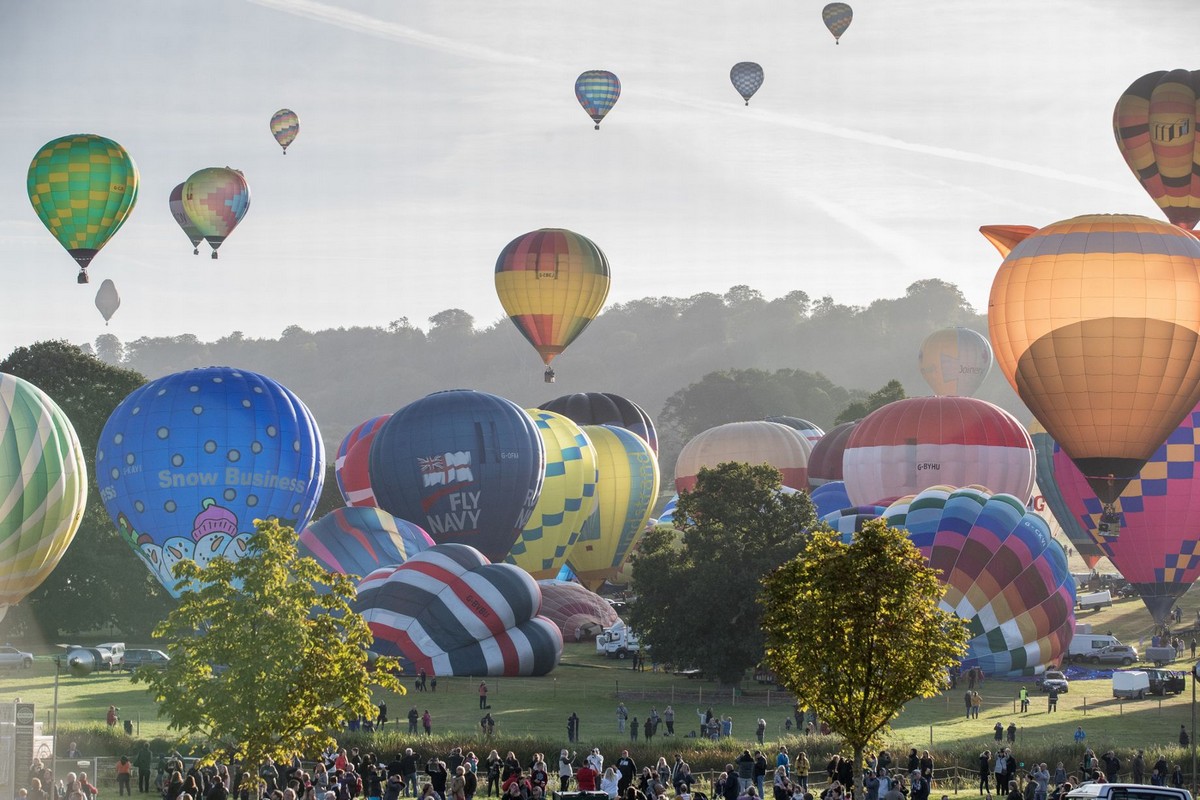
(697, 598)
(294, 653)
(889, 393)
(855, 630)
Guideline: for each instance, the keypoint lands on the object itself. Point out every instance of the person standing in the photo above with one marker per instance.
(1139, 767)
(1079, 734)
(760, 731)
(112, 716)
(669, 719)
(985, 770)
(483, 696)
(976, 702)
(999, 729)
(124, 769)
(628, 769)
(1024, 695)
(142, 760)
(1052, 700)
(382, 718)
(1184, 740)
(967, 702)
(1012, 732)
(414, 716)
(573, 727)
(427, 722)
(760, 771)
(622, 716)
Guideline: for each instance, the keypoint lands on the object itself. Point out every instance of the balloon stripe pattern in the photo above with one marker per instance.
(449, 611)
(552, 283)
(1155, 126)
(182, 219)
(955, 361)
(809, 430)
(829, 498)
(1044, 448)
(358, 541)
(759, 442)
(82, 188)
(837, 17)
(605, 408)
(597, 90)
(352, 471)
(284, 127)
(215, 200)
(43, 487)
(747, 78)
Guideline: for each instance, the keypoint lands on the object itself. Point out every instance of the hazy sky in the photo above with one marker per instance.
(434, 131)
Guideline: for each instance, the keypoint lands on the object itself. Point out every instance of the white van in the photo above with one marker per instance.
(1084, 643)
(116, 652)
(1126, 791)
(1133, 683)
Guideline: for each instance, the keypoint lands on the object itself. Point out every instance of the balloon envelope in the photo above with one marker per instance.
(351, 465)
(825, 460)
(605, 408)
(284, 127)
(579, 613)
(1095, 323)
(809, 430)
(215, 200)
(1052, 497)
(746, 77)
(829, 498)
(108, 300)
(358, 541)
(187, 462)
(754, 443)
(183, 220)
(955, 361)
(43, 484)
(837, 18)
(597, 91)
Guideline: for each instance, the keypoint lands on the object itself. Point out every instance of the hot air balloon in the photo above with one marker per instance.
(597, 91)
(352, 472)
(747, 77)
(43, 482)
(829, 498)
(605, 408)
(82, 187)
(568, 497)
(849, 521)
(825, 460)
(912, 444)
(184, 221)
(579, 614)
(1095, 323)
(954, 361)
(215, 199)
(1004, 575)
(809, 430)
(107, 299)
(449, 611)
(783, 447)
(284, 127)
(626, 488)
(552, 283)
(837, 17)
(1157, 551)
(1155, 126)
(466, 466)
(358, 541)
(186, 463)
(1053, 502)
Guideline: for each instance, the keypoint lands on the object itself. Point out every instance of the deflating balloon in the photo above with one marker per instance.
(1155, 125)
(358, 541)
(955, 361)
(351, 466)
(43, 484)
(215, 200)
(837, 17)
(626, 489)
(82, 187)
(1004, 575)
(568, 497)
(1052, 498)
(597, 91)
(107, 299)
(449, 611)
(747, 77)
(284, 127)
(754, 443)
(605, 408)
(1095, 323)
(809, 430)
(825, 460)
(187, 462)
(912, 444)
(578, 613)
(184, 221)
(467, 466)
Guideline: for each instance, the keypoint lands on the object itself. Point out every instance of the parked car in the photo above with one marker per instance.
(116, 654)
(1124, 654)
(151, 658)
(1166, 681)
(1126, 791)
(13, 658)
(1053, 679)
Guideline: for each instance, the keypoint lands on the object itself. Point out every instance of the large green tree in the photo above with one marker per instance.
(99, 581)
(697, 594)
(291, 653)
(855, 630)
(890, 392)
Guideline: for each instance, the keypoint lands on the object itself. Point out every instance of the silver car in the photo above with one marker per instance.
(13, 658)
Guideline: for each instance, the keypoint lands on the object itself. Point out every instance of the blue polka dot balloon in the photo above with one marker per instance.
(187, 462)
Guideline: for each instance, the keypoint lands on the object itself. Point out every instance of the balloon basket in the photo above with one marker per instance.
(82, 277)
(214, 255)
(196, 252)
(549, 376)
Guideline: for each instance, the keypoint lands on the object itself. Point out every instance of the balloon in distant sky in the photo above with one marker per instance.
(351, 465)
(551, 283)
(954, 361)
(605, 408)
(358, 541)
(918, 442)
(1056, 505)
(1155, 126)
(43, 485)
(284, 127)
(754, 443)
(837, 18)
(466, 466)
(579, 613)
(184, 221)
(215, 200)
(825, 460)
(186, 463)
(1095, 322)
(107, 299)
(597, 91)
(82, 187)
(568, 497)
(747, 77)
(809, 430)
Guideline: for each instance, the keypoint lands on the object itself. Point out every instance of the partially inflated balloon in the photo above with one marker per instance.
(809, 430)
(605, 408)
(284, 127)
(754, 443)
(215, 200)
(1095, 322)
(552, 283)
(43, 487)
(82, 188)
(466, 466)
(825, 460)
(597, 91)
(107, 299)
(358, 541)
(1052, 498)
(830, 497)
(747, 77)
(184, 221)
(837, 17)
(187, 462)
(1155, 125)
(579, 613)
(954, 361)
(351, 465)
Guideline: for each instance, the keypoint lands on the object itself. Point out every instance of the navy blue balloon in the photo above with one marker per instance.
(605, 408)
(466, 466)
(186, 463)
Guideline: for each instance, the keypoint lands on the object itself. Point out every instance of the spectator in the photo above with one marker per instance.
(427, 724)
(1184, 740)
(1079, 734)
(124, 771)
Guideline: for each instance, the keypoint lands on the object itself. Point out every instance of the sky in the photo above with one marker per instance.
(432, 132)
